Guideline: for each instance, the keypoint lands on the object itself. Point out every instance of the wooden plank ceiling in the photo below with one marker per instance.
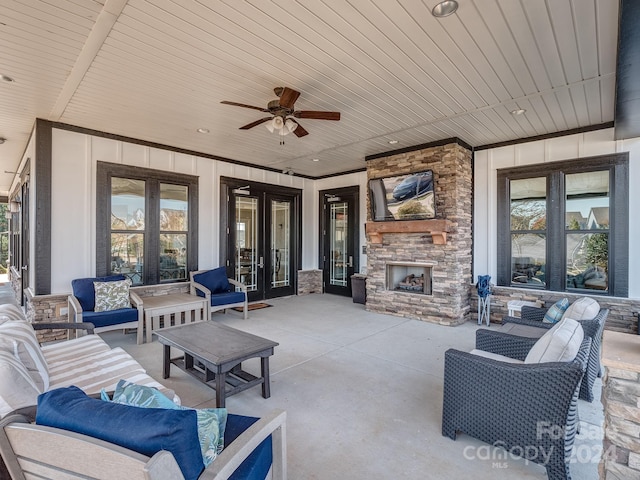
(157, 70)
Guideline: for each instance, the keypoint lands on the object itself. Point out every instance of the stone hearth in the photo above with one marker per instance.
(444, 243)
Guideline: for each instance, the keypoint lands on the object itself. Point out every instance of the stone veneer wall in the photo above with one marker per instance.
(449, 303)
(623, 312)
(309, 281)
(620, 399)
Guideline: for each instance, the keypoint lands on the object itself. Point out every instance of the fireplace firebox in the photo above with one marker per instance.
(409, 277)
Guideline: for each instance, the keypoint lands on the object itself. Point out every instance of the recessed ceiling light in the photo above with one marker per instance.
(518, 111)
(315, 159)
(444, 9)
(6, 78)
(2, 140)
(393, 142)
(203, 130)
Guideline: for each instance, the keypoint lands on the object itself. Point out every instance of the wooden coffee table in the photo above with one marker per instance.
(213, 353)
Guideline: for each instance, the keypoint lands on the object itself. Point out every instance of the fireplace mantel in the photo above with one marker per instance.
(437, 228)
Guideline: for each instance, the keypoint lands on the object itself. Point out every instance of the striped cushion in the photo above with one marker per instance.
(99, 370)
(28, 350)
(17, 388)
(9, 312)
(70, 350)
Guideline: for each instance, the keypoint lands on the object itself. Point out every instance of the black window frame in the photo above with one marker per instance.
(153, 178)
(555, 172)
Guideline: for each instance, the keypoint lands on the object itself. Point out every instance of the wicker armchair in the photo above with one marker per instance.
(520, 407)
(532, 316)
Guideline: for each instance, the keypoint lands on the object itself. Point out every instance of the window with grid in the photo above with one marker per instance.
(146, 224)
(563, 226)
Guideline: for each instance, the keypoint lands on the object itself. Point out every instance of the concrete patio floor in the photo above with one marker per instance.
(363, 394)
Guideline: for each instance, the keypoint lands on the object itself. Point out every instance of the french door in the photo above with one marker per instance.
(261, 244)
(339, 244)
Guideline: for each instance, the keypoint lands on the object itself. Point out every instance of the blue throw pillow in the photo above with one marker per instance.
(555, 313)
(144, 430)
(215, 280)
(211, 421)
(85, 292)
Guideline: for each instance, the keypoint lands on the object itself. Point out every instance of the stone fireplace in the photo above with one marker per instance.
(422, 268)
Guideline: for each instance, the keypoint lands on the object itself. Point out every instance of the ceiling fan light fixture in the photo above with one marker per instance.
(290, 125)
(277, 122)
(445, 8)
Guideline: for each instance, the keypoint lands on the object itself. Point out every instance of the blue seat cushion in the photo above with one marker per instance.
(215, 280)
(256, 466)
(226, 298)
(111, 317)
(144, 430)
(85, 293)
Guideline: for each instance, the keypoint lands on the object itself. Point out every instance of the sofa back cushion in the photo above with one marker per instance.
(215, 280)
(144, 430)
(560, 344)
(17, 388)
(84, 291)
(584, 308)
(9, 312)
(26, 349)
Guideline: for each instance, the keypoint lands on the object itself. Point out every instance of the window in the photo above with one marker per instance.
(146, 224)
(563, 226)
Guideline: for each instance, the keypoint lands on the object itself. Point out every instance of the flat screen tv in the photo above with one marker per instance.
(403, 197)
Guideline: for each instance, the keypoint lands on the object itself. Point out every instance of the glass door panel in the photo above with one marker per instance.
(339, 247)
(246, 248)
(338, 230)
(280, 243)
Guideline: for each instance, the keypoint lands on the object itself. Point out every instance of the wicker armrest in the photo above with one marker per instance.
(532, 313)
(511, 346)
(525, 321)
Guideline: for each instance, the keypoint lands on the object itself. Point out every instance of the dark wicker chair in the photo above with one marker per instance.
(520, 407)
(532, 316)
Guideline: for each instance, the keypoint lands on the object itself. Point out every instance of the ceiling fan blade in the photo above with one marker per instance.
(288, 97)
(300, 131)
(317, 115)
(257, 122)
(244, 106)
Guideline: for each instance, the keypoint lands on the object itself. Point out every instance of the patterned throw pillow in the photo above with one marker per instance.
(112, 295)
(554, 314)
(211, 421)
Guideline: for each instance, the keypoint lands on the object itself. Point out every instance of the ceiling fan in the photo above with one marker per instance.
(281, 110)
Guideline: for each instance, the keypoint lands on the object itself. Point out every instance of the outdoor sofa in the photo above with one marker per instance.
(87, 366)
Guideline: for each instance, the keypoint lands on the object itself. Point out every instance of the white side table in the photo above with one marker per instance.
(516, 306)
(173, 309)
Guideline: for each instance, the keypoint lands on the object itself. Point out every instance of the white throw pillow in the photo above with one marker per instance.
(560, 344)
(584, 308)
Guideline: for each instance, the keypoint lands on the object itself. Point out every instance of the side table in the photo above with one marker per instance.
(173, 309)
(516, 306)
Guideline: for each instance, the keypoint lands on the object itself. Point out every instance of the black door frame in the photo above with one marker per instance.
(354, 237)
(227, 234)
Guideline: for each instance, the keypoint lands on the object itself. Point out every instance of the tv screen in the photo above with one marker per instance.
(403, 197)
